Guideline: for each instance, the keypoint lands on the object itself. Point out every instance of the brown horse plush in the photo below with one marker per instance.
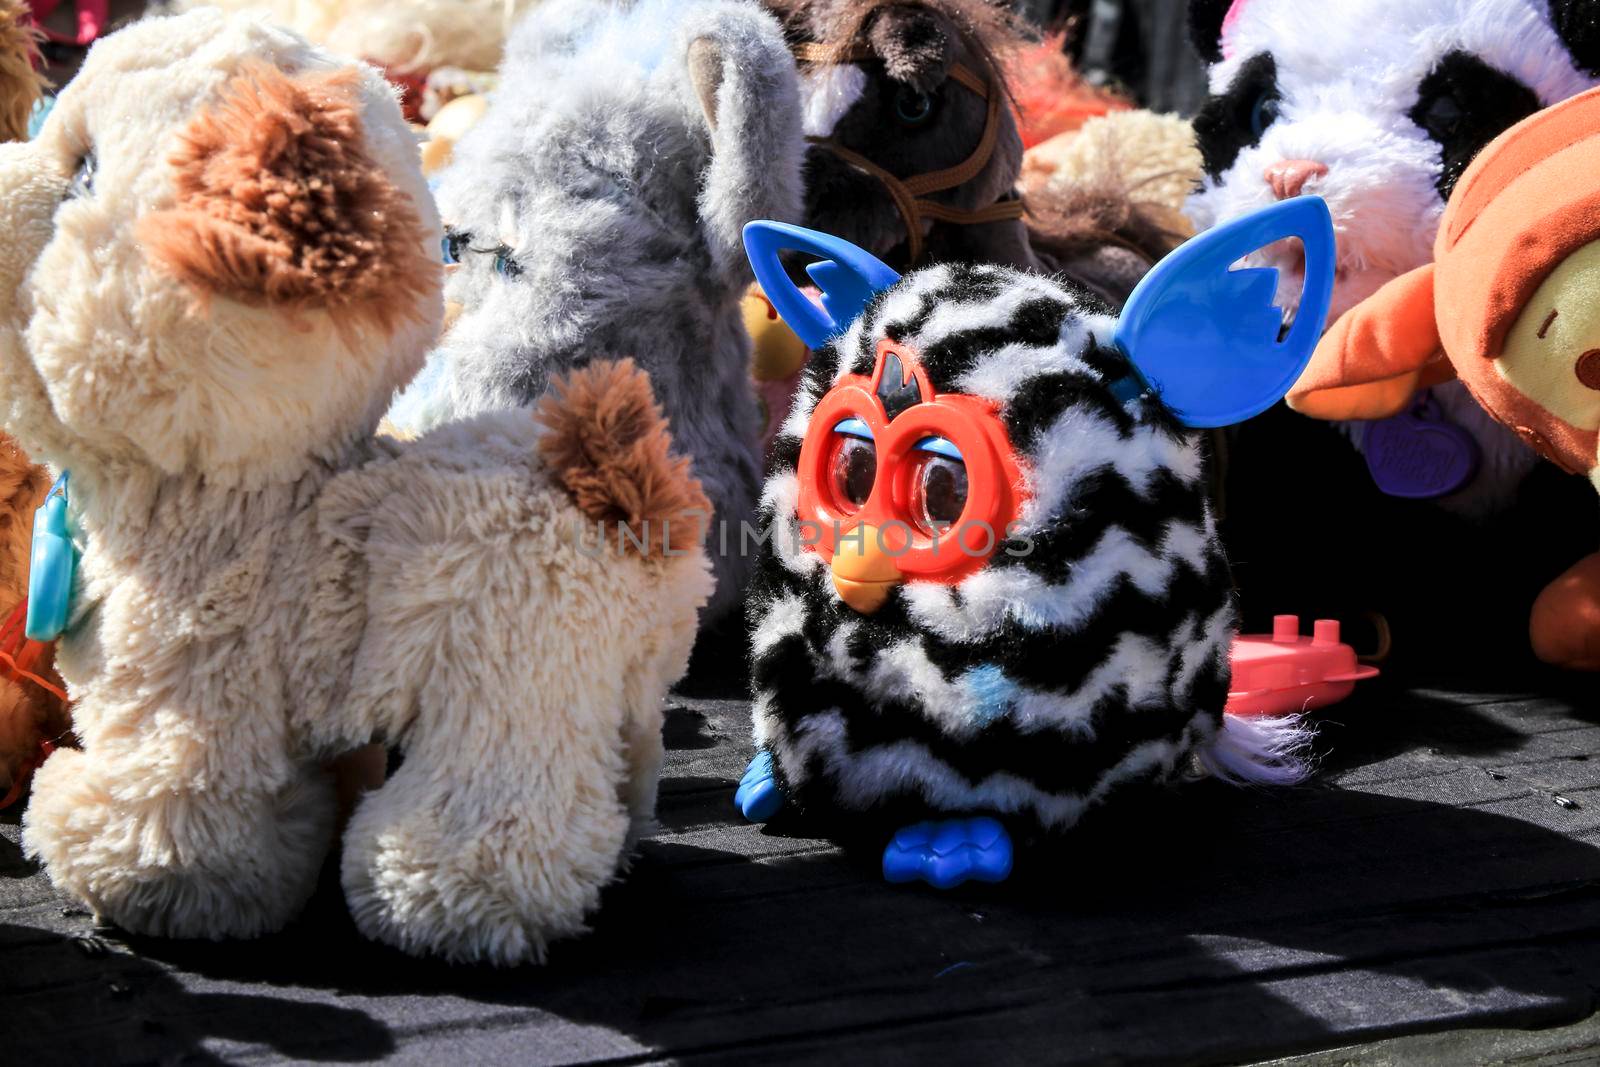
(915, 151)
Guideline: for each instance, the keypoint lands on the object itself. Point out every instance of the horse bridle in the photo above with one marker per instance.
(910, 194)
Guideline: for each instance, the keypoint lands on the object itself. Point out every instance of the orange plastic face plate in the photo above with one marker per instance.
(994, 478)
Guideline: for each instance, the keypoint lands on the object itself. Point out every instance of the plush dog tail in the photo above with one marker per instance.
(21, 85)
(607, 441)
(1260, 750)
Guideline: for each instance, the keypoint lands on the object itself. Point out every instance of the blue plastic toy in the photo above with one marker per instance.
(758, 797)
(947, 852)
(1201, 334)
(848, 277)
(1205, 337)
(50, 567)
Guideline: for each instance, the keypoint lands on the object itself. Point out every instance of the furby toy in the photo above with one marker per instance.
(992, 591)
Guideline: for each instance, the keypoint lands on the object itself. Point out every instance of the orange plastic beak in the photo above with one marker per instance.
(863, 569)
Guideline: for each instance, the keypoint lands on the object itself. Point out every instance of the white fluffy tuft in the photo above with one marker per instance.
(1260, 751)
(827, 94)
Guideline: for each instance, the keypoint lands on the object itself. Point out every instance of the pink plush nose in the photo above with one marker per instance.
(1288, 177)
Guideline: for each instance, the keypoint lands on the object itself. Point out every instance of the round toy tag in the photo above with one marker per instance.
(1419, 454)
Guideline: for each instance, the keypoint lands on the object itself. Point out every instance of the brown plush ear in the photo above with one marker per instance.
(607, 442)
(20, 84)
(280, 204)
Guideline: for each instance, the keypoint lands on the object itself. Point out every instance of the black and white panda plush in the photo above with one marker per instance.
(992, 590)
(1377, 106)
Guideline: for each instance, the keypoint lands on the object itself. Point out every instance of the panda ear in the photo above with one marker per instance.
(1577, 23)
(1205, 27)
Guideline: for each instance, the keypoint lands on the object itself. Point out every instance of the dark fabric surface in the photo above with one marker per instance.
(1439, 874)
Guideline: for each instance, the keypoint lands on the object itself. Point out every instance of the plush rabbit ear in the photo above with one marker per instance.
(848, 277)
(745, 82)
(1205, 337)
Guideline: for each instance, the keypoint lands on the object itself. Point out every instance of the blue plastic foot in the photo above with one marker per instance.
(948, 852)
(758, 796)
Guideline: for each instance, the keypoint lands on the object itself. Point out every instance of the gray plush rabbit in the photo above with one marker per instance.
(596, 212)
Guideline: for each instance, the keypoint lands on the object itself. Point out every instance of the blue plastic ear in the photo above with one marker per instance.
(1205, 338)
(847, 276)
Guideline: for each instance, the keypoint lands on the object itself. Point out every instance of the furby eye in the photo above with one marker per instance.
(912, 108)
(939, 492)
(83, 178)
(454, 246)
(505, 264)
(854, 471)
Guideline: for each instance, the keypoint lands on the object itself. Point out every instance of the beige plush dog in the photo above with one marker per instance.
(32, 715)
(220, 261)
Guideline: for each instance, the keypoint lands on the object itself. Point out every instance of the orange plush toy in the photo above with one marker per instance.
(1511, 307)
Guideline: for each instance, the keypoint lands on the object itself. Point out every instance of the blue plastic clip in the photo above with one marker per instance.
(41, 111)
(50, 567)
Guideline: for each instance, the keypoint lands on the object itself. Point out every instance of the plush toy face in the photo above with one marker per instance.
(898, 106)
(1551, 357)
(904, 483)
(599, 202)
(220, 254)
(1375, 106)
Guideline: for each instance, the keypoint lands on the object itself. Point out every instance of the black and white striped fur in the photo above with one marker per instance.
(1043, 681)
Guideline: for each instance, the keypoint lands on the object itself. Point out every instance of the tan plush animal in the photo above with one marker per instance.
(30, 712)
(403, 36)
(220, 261)
(1150, 155)
(426, 47)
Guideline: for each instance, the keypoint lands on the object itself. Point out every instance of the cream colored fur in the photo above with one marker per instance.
(264, 583)
(1151, 154)
(403, 35)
